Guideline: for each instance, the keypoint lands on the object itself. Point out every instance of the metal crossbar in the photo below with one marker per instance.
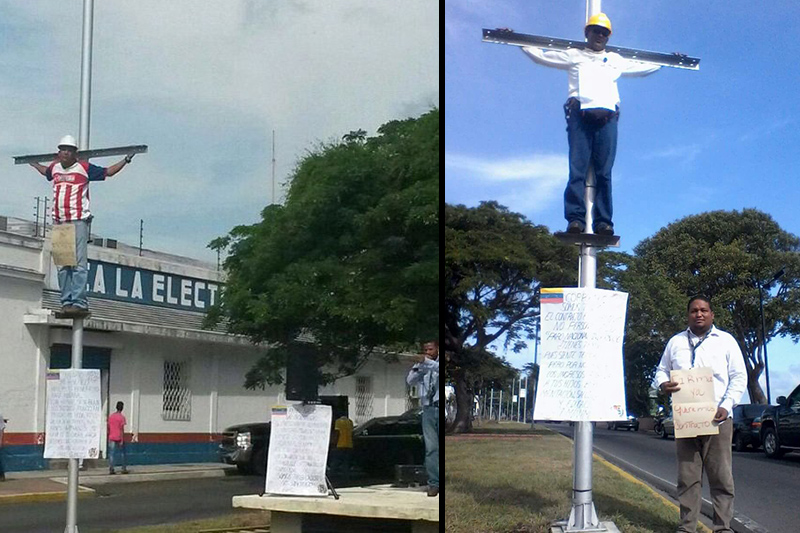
(501, 36)
(83, 155)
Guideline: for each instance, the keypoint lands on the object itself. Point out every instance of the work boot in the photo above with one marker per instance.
(433, 491)
(574, 227)
(604, 229)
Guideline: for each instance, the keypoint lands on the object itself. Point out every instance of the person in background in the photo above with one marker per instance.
(426, 373)
(343, 442)
(116, 439)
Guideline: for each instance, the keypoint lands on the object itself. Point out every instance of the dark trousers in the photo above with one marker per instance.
(711, 453)
(589, 143)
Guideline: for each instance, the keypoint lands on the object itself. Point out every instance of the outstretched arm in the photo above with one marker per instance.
(549, 58)
(113, 169)
(41, 168)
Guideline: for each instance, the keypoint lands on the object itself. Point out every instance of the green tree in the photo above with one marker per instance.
(495, 260)
(351, 260)
(656, 311)
(725, 255)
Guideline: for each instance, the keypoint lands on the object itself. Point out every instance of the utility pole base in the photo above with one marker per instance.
(561, 527)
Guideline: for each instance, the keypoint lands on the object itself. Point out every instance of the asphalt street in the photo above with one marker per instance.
(767, 490)
(121, 505)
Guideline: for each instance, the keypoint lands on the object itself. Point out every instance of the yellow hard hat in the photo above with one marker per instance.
(600, 19)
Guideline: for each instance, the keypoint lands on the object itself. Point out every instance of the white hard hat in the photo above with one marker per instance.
(68, 140)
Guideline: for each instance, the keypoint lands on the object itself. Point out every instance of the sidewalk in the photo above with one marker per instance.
(51, 485)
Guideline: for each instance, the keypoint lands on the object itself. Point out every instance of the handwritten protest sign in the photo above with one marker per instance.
(298, 450)
(581, 375)
(63, 239)
(694, 407)
(74, 415)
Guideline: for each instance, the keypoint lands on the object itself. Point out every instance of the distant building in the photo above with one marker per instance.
(181, 385)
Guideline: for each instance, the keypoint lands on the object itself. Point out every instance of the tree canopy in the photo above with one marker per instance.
(350, 261)
(495, 261)
(725, 255)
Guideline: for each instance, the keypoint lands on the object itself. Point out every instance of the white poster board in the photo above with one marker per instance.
(694, 407)
(298, 450)
(74, 415)
(581, 375)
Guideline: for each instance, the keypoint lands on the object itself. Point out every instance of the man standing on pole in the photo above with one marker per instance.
(71, 179)
(592, 112)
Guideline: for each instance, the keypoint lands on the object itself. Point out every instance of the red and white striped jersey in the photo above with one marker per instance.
(71, 189)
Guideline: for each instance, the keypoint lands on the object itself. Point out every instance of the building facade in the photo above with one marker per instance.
(181, 384)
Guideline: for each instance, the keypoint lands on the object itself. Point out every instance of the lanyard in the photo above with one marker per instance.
(694, 347)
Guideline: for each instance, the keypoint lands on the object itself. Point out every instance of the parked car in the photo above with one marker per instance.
(780, 425)
(747, 426)
(666, 428)
(381, 443)
(246, 445)
(630, 423)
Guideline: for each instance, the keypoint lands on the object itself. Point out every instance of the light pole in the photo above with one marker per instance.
(761, 288)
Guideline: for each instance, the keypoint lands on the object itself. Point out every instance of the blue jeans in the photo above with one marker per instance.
(72, 280)
(430, 432)
(115, 448)
(589, 143)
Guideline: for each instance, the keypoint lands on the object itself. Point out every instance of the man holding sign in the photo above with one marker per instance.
(706, 365)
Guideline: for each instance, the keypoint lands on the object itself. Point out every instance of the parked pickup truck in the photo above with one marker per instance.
(780, 425)
(246, 445)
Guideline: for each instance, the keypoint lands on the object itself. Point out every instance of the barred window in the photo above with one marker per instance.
(364, 398)
(412, 397)
(177, 396)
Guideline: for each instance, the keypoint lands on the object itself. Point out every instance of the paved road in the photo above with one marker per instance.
(767, 490)
(123, 505)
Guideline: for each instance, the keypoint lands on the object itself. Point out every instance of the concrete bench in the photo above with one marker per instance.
(377, 508)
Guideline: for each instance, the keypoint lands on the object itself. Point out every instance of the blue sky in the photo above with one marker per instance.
(204, 83)
(724, 137)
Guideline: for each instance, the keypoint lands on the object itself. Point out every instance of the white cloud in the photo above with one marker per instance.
(204, 84)
(525, 185)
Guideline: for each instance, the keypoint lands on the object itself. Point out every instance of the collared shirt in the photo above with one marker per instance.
(719, 351)
(592, 75)
(427, 373)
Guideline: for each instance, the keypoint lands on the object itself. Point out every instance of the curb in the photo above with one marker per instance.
(33, 497)
(154, 476)
(85, 490)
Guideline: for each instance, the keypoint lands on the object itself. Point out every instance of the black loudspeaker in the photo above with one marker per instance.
(302, 374)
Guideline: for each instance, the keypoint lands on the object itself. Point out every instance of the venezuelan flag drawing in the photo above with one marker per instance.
(552, 296)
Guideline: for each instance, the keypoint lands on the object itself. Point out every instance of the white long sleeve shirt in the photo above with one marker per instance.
(592, 75)
(719, 351)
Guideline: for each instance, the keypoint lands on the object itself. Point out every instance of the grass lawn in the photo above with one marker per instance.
(521, 482)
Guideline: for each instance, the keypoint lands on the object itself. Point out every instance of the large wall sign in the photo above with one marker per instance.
(136, 285)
